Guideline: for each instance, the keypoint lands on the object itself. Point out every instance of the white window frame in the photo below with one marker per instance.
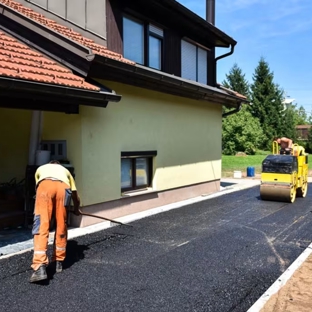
(48, 146)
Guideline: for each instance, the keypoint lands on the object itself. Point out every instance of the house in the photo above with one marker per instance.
(303, 132)
(124, 92)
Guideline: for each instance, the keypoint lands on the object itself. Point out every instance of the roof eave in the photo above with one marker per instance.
(227, 40)
(180, 15)
(66, 95)
(145, 77)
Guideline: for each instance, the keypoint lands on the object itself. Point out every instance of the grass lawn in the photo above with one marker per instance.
(233, 163)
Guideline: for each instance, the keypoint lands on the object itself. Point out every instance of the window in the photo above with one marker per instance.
(194, 62)
(142, 43)
(136, 170)
(58, 148)
(133, 40)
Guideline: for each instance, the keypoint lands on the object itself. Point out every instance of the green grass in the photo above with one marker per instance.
(240, 163)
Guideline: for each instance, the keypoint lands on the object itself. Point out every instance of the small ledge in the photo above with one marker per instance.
(147, 190)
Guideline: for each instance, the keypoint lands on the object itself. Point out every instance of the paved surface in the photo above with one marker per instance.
(216, 254)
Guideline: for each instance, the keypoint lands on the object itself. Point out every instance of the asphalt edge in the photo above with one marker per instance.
(77, 232)
(281, 281)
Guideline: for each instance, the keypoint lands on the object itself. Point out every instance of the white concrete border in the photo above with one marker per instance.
(281, 281)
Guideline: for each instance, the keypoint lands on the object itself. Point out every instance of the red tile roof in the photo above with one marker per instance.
(65, 31)
(75, 36)
(232, 92)
(303, 126)
(17, 60)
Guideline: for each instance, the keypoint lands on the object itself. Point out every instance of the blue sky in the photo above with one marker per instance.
(278, 30)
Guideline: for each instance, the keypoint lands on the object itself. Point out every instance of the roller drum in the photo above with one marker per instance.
(277, 193)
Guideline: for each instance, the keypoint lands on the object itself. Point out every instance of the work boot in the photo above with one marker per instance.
(58, 267)
(39, 275)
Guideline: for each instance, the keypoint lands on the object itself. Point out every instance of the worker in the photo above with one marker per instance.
(55, 187)
(285, 144)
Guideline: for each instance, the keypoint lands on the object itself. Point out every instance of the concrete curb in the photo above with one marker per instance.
(281, 281)
(19, 248)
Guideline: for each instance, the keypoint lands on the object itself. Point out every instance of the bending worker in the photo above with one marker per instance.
(55, 188)
(285, 144)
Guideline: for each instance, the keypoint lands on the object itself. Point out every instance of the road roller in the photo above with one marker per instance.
(284, 175)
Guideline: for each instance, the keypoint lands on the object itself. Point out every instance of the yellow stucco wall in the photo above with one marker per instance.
(186, 134)
(15, 131)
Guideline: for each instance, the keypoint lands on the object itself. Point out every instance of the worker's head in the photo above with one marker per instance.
(56, 162)
(278, 140)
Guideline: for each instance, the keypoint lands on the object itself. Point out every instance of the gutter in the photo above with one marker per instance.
(36, 90)
(238, 108)
(165, 78)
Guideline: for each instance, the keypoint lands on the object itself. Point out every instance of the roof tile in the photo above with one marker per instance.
(17, 60)
(65, 31)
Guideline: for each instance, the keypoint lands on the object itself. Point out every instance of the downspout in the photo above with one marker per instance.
(226, 54)
(238, 108)
(234, 111)
(35, 136)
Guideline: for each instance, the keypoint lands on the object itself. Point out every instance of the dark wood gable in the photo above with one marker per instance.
(172, 39)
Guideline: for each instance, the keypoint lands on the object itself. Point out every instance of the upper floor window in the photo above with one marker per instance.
(142, 43)
(194, 62)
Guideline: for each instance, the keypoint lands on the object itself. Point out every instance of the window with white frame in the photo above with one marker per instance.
(193, 62)
(143, 43)
(58, 148)
(136, 170)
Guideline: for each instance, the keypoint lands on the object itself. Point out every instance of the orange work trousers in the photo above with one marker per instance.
(49, 202)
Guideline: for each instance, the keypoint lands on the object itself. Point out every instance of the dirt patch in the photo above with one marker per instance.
(295, 296)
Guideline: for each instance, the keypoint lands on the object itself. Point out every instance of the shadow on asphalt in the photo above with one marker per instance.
(74, 253)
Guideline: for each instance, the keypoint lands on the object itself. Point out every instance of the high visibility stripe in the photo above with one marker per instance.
(39, 252)
(60, 248)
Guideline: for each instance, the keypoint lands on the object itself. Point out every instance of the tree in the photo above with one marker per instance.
(288, 127)
(267, 106)
(236, 81)
(241, 132)
(301, 116)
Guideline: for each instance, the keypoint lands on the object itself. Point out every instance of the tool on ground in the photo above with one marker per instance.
(103, 218)
(284, 176)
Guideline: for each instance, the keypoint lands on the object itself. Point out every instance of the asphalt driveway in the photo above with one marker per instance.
(216, 255)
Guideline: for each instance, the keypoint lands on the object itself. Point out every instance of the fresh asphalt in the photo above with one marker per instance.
(220, 254)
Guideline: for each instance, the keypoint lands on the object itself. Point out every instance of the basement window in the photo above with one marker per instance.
(136, 170)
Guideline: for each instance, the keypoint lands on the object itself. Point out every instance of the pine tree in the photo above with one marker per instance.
(267, 106)
(241, 132)
(236, 81)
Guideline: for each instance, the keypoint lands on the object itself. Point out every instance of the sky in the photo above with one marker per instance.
(280, 31)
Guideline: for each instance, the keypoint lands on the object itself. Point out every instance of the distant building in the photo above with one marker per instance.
(303, 132)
